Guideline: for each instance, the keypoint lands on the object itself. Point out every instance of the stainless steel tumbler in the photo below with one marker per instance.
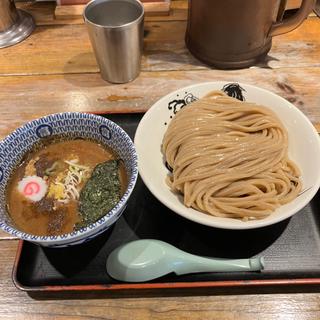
(116, 33)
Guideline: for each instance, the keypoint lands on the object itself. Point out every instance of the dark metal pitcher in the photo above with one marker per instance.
(237, 33)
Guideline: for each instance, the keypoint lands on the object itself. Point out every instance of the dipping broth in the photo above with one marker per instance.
(63, 185)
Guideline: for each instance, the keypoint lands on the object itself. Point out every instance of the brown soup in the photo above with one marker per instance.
(44, 191)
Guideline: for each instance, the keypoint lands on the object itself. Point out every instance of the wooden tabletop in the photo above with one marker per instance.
(55, 70)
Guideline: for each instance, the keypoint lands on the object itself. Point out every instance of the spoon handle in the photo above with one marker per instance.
(191, 264)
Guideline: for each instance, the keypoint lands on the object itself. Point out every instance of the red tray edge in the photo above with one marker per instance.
(151, 286)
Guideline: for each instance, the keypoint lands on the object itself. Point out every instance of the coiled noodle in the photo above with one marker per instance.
(230, 158)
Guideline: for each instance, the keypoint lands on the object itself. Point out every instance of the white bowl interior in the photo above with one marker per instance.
(304, 149)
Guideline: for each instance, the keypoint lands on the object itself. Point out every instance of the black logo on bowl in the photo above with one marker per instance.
(234, 90)
(178, 103)
(44, 130)
(168, 167)
(105, 132)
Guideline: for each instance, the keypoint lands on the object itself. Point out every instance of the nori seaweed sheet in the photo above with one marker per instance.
(101, 192)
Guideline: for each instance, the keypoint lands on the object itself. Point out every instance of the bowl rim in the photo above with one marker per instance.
(98, 226)
(212, 221)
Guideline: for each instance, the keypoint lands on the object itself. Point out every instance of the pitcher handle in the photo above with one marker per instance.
(294, 21)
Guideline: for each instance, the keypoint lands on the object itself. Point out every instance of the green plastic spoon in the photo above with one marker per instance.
(144, 260)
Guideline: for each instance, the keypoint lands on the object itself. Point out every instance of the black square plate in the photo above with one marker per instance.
(291, 248)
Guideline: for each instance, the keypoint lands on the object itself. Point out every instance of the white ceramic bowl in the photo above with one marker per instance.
(304, 149)
(69, 124)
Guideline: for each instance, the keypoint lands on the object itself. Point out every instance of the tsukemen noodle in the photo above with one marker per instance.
(63, 185)
(230, 158)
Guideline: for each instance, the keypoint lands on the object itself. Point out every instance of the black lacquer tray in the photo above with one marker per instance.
(291, 248)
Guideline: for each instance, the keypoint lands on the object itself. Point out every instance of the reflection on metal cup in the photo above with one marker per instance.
(8, 14)
(116, 33)
(15, 25)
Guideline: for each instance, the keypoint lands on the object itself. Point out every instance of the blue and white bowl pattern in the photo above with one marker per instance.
(69, 125)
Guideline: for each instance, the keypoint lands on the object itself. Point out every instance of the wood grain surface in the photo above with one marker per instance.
(76, 11)
(37, 95)
(55, 70)
(66, 49)
(43, 12)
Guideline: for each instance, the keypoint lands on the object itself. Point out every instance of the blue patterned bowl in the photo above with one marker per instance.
(70, 124)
